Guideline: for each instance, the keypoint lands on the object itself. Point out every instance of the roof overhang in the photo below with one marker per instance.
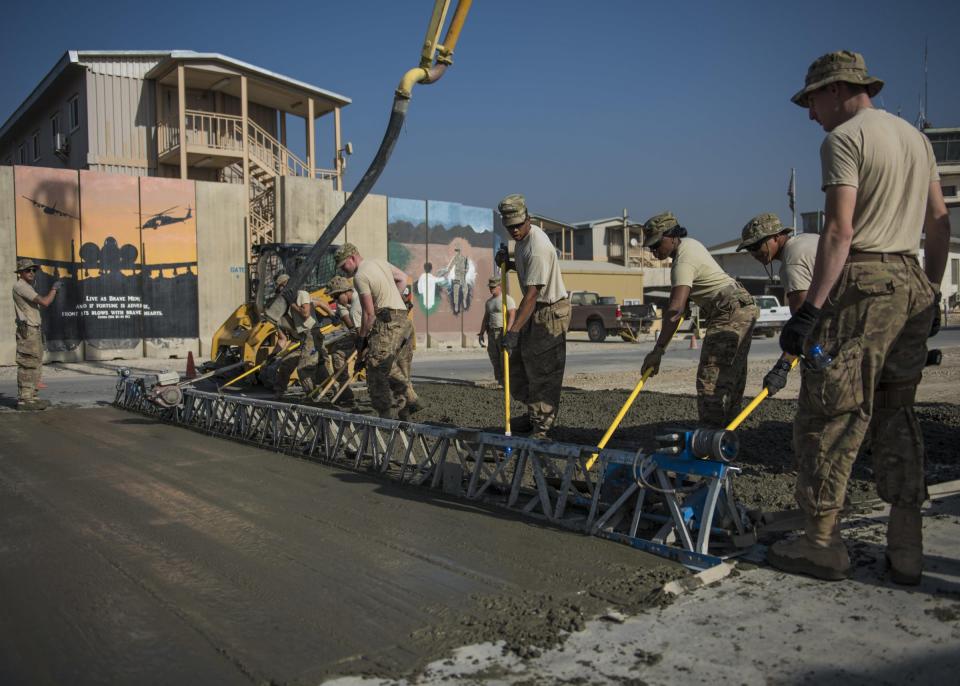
(213, 71)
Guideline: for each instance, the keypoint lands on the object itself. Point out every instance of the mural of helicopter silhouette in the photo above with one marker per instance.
(159, 219)
(49, 209)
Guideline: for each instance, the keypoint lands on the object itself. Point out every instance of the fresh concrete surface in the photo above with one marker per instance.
(761, 626)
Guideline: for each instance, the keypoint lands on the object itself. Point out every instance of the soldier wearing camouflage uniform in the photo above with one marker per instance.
(871, 307)
(385, 336)
(351, 316)
(26, 304)
(536, 341)
(726, 308)
(766, 239)
(301, 325)
(492, 326)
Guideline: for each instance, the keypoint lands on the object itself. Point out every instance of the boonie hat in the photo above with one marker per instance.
(760, 227)
(346, 250)
(282, 279)
(842, 65)
(656, 226)
(25, 263)
(493, 281)
(513, 209)
(338, 285)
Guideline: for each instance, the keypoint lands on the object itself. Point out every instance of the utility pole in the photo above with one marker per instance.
(626, 239)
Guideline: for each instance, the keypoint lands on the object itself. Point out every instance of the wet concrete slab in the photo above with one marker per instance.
(132, 551)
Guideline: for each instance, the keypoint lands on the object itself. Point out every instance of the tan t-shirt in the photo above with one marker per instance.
(375, 277)
(537, 265)
(694, 266)
(353, 313)
(300, 323)
(891, 165)
(797, 258)
(494, 307)
(24, 303)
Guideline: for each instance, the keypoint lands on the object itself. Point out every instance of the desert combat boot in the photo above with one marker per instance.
(905, 545)
(819, 553)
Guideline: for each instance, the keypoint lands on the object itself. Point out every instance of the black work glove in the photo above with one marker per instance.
(511, 342)
(502, 256)
(935, 326)
(652, 361)
(58, 285)
(776, 378)
(361, 345)
(798, 328)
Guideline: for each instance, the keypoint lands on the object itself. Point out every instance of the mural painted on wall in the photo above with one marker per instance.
(168, 236)
(448, 263)
(111, 298)
(48, 230)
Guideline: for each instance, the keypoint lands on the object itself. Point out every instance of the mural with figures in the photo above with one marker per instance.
(447, 250)
(125, 248)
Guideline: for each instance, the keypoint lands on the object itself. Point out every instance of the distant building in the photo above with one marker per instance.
(946, 148)
(175, 113)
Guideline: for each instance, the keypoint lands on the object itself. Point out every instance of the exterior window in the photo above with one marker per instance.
(35, 140)
(949, 191)
(54, 129)
(73, 107)
(22, 154)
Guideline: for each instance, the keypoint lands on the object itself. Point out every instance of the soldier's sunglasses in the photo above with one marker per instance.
(758, 246)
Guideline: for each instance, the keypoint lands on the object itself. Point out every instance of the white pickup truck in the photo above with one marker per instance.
(772, 317)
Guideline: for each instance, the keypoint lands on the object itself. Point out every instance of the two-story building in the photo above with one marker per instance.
(181, 114)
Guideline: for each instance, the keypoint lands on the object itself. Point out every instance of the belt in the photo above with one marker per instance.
(881, 257)
(387, 315)
(540, 306)
(491, 329)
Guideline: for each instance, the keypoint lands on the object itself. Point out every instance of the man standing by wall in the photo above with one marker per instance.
(26, 305)
(385, 331)
(766, 239)
(492, 326)
(871, 307)
(536, 340)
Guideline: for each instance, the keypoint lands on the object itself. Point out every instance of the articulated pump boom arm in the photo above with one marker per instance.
(429, 71)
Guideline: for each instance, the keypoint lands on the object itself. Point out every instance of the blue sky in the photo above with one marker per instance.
(587, 107)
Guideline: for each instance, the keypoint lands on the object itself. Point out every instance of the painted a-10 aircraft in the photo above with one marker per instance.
(155, 221)
(49, 209)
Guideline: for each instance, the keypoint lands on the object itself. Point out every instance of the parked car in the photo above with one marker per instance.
(600, 316)
(772, 317)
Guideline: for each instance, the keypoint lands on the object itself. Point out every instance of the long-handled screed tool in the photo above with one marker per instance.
(625, 408)
(321, 391)
(506, 355)
(346, 385)
(269, 359)
(740, 418)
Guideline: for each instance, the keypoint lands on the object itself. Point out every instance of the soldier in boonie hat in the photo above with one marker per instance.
(338, 285)
(25, 263)
(655, 227)
(346, 251)
(513, 210)
(761, 227)
(843, 65)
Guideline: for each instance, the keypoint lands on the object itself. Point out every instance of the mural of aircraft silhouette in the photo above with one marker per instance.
(155, 221)
(49, 209)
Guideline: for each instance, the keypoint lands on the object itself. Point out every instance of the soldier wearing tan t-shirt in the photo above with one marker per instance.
(766, 239)
(536, 340)
(385, 336)
(726, 308)
(871, 308)
(26, 304)
(492, 326)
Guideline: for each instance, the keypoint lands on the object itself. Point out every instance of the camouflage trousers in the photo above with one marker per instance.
(495, 352)
(29, 360)
(311, 362)
(389, 356)
(722, 373)
(536, 369)
(875, 326)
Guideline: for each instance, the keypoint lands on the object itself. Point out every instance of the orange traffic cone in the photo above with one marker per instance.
(693, 341)
(191, 367)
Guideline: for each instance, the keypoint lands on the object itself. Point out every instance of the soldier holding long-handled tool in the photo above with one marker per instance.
(871, 308)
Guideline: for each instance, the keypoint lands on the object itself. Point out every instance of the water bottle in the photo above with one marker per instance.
(818, 359)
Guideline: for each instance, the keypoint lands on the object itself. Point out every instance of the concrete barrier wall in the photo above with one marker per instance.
(8, 248)
(221, 255)
(306, 206)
